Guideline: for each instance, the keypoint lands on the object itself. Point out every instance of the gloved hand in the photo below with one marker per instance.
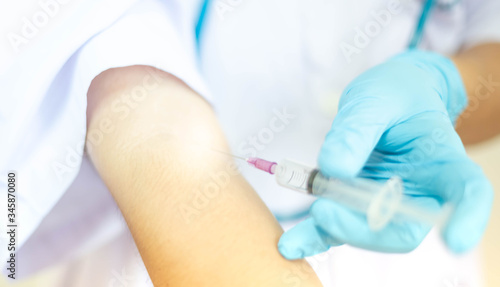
(397, 119)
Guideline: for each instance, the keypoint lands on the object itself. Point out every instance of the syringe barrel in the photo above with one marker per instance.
(294, 175)
(356, 193)
(378, 201)
(309, 180)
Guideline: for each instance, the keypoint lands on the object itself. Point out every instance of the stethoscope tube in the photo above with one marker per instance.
(419, 30)
(426, 10)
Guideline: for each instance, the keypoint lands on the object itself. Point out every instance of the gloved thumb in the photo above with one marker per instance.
(305, 239)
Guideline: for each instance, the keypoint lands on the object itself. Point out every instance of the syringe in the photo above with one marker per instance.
(381, 203)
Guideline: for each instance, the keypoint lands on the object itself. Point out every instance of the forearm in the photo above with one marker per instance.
(191, 229)
(480, 70)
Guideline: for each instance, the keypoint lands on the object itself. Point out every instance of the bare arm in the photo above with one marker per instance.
(195, 221)
(480, 70)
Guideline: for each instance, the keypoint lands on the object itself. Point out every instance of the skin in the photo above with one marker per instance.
(481, 120)
(189, 231)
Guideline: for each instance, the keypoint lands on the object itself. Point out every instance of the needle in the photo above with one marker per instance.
(262, 164)
(232, 155)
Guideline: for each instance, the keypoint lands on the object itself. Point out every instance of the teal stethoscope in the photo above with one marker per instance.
(427, 7)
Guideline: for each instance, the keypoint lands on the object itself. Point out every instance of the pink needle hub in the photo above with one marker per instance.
(262, 164)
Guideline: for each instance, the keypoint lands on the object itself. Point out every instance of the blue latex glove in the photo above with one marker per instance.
(397, 119)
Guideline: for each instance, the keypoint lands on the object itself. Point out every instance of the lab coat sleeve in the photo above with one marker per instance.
(482, 22)
(152, 33)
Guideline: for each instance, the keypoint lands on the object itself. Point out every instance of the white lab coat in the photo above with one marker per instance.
(281, 64)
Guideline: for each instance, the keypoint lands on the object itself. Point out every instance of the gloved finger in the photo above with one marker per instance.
(463, 184)
(305, 239)
(352, 227)
(354, 134)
